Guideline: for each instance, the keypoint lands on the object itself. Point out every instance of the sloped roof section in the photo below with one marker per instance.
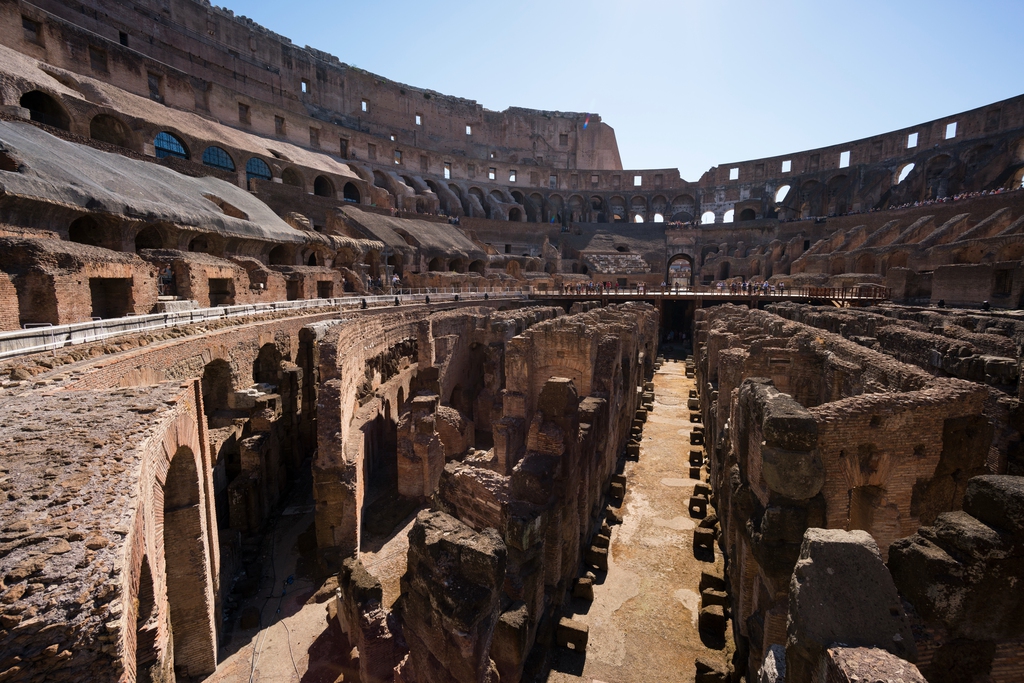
(61, 172)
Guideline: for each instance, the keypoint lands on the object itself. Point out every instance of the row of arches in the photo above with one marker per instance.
(941, 175)
(44, 108)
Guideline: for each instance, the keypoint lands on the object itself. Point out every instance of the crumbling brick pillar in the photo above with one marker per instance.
(451, 596)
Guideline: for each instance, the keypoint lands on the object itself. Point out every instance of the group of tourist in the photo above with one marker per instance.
(907, 205)
(751, 287)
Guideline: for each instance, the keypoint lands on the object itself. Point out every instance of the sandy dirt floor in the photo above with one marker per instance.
(643, 620)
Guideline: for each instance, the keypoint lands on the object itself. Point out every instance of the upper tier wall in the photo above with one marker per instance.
(231, 60)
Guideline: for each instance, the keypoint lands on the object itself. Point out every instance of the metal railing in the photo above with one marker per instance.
(856, 293)
(44, 337)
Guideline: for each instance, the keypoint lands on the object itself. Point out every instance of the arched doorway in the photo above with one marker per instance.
(146, 652)
(266, 368)
(291, 177)
(149, 237)
(217, 385)
(322, 187)
(43, 108)
(109, 129)
(186, 564)
(87, 230)
(351, 193)
(680, 271)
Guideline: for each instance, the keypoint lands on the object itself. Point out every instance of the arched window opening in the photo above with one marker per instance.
(312, 260)
(322, 187)
(638, 218)
(146, 652)
(659, 218)
(217, 385)
(86, 230)
(279, 256)
(457, 266)
(622, 249)
(477, 267)
(351, 193)
(728, 217)
(187, 579)
(291, 177)
(747, 215)
(149, 238)
(781, 193)
(169, 145)
(707, 217)
(515, 214)
(257, 169)
(904, 172)
(215, 157)
(113, 131)
(44, 109)
(200, 245)
(436, 265)
(267, 366)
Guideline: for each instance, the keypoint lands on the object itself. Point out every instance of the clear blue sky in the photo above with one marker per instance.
(688, 84)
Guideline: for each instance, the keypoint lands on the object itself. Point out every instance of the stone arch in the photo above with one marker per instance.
(457, 265)
(150, 237)
(576, 208)
(281, 255)
(724, 268)
(96, 232)
(167, 144)
(147, 653)
(866, 263)
(44, 108)
(707, 218)
(936, 176)
(351, 193)
(679, 270)
(479, 194)
(217, 384)
(257, 169)
(1011, 252)
(323, 187)
(436, 265)
(837, 266)
(478, 266)
(836, 187)
(638, 207)
(110, 129)
(683, 208)
(597, 213)
(381, 180)
(617, 209)
(291, 176)
(535, 208)
(187, 568)
(556, 206)
(810, 196)
(218, 157)
(267, 366)
(515, 214)
(748, 215)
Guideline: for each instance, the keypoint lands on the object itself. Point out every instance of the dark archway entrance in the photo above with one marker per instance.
(351, 193)
(44, 109)
(187, 569)
(679, 273)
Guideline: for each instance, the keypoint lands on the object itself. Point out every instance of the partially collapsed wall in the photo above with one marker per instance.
(807, 429)
(490, 567)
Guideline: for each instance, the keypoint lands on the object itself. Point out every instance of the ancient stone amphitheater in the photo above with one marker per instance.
(310, 375)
